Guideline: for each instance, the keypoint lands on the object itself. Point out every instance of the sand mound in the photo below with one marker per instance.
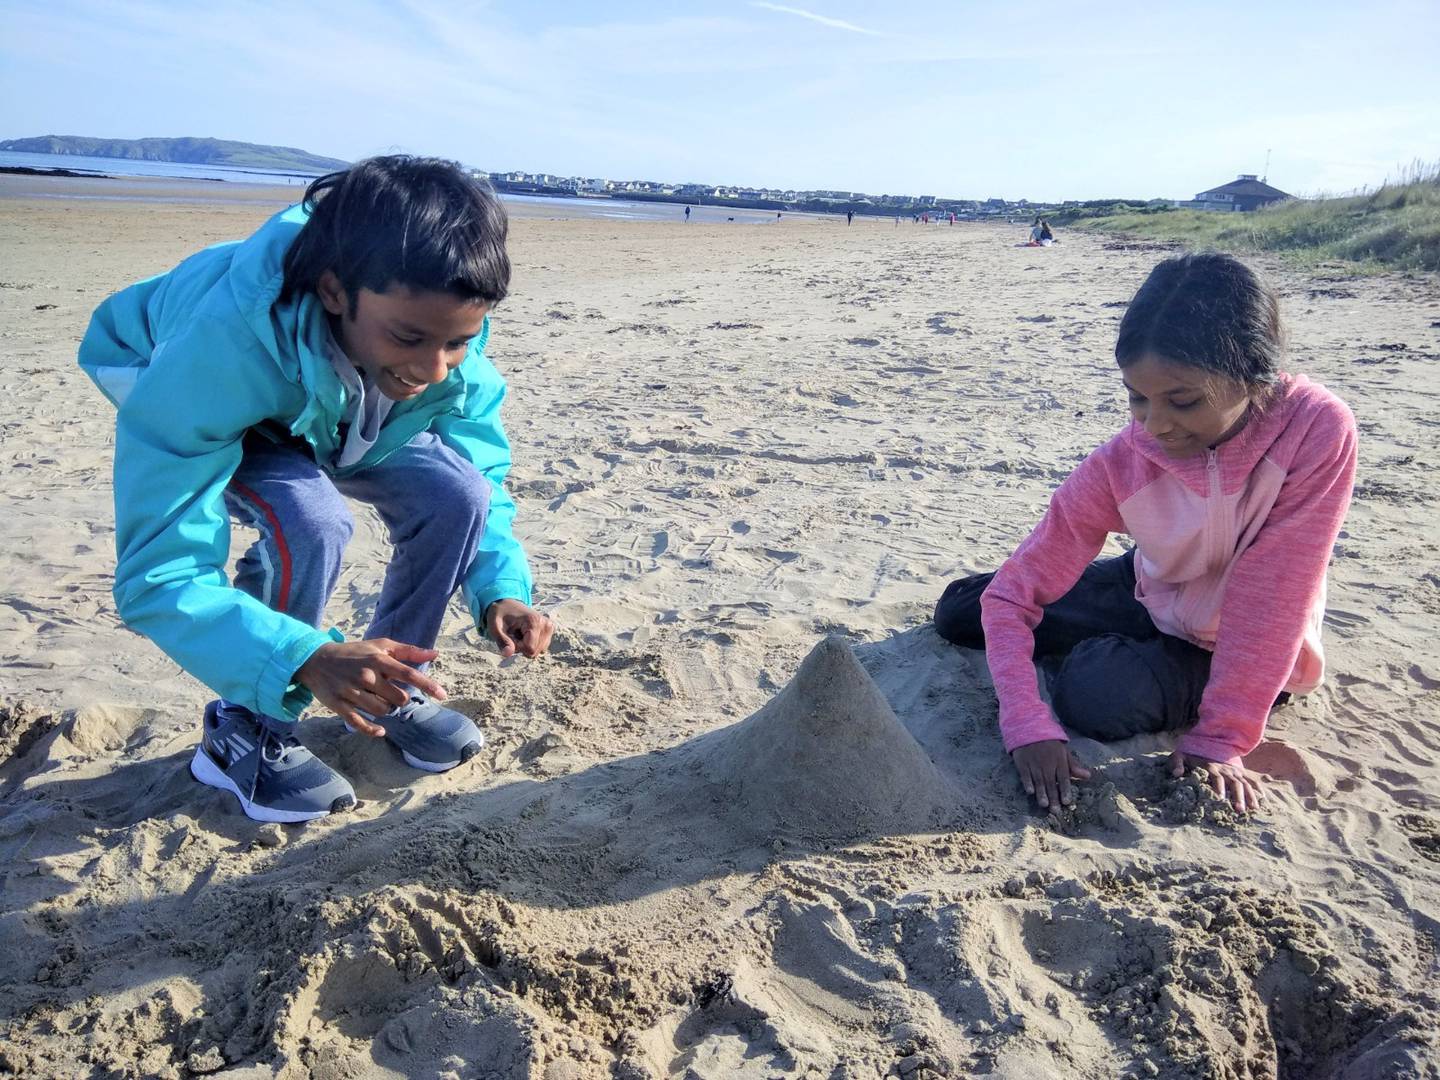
(827, 759)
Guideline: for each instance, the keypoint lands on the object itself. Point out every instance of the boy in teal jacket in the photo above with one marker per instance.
(338, 351)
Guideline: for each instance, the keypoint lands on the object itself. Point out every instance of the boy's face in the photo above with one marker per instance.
(403, 339)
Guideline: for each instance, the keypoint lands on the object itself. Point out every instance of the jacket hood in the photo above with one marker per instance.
(256, 276)
(1237, 456)
(293, 333)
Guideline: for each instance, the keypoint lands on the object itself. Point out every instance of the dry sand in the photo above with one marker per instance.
(752, 817)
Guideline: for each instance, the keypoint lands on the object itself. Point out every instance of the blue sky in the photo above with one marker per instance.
(1034, 98)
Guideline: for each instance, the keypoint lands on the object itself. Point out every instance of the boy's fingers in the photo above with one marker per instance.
(395, 672)
(366, 727)
(1067, 796)
(1078, 771)
(388, 692)
(502, 639)
(537, 635)
(371, 702)
(359, 723)
(410, 654)
(528, 634)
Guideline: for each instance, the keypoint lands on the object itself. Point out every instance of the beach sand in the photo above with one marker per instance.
(752, 817)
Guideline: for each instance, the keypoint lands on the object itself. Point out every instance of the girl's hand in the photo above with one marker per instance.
(517, 628)
(1233, 782)
(349, 676)
(1046, 769)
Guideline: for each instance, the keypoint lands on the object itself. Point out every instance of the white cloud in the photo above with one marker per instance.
(823, 20)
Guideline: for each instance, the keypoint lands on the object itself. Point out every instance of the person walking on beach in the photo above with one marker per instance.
(1233, 479)
(687, 214)
(339, 351)
(849, 217)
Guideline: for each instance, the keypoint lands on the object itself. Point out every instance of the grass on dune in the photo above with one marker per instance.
(1397, 226)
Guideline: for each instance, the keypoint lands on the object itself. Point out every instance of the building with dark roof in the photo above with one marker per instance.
(1245, 193)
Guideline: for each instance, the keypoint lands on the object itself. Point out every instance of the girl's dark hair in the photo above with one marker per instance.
(1207, 311)
(399, 220)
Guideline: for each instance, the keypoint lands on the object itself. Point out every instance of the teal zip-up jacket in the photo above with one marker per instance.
(195, 358)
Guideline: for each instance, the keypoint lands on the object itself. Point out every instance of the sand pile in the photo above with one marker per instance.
(827, 759)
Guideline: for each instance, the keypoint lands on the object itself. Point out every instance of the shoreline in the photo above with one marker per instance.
(20, 184)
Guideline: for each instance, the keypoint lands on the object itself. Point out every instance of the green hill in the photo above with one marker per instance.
(190, 151)
(1396, 226)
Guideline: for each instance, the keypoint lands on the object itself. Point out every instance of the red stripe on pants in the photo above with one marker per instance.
(280, 544)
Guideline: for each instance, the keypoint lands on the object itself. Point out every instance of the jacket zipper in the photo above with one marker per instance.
(1217, 533)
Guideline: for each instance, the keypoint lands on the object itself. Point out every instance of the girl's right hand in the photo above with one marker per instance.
(349, 676)
(1046, 769)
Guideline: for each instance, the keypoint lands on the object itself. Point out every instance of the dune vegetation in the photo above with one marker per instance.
(1395, 226)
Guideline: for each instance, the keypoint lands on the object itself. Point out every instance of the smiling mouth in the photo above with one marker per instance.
(406, 382)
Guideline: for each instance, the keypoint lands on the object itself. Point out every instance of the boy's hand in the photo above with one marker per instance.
(348, 676)
(1046, 769)
(516, 627)
(1233, 782)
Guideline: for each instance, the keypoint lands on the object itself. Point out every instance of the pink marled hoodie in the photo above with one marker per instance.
(1232, 548)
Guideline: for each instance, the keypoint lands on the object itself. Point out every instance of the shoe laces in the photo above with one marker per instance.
(273, 749)
(273, 746)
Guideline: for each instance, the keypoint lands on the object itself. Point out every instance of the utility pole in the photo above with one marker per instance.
(1265, 179)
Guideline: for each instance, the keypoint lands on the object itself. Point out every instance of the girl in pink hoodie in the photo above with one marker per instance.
(1232, 480)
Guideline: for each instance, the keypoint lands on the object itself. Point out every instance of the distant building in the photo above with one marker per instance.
(1243, 194)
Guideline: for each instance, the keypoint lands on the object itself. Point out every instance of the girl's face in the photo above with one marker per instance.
(1187, 410)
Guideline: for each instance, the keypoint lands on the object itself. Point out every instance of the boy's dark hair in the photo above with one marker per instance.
(399, 220)
(1208, 311)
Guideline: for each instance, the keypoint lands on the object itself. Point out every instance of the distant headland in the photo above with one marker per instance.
(189, 151)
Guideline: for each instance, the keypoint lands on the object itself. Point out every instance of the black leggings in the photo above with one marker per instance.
(1111, 673)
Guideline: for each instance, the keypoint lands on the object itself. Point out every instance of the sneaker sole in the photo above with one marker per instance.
(471, 749)
(205, 770)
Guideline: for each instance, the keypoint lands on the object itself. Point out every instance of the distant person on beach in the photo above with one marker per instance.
(339, 351)
(849, 217)
(687, 213)
(1041, 234)
(1233, 479)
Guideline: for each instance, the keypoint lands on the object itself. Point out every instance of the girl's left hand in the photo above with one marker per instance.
(1233, 782)
(516, 627)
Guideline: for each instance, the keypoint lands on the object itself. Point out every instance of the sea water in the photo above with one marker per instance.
(175, 170)
(537, 205)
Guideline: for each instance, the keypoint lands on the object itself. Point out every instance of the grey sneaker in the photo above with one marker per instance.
(274, 776)
(430, 736)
